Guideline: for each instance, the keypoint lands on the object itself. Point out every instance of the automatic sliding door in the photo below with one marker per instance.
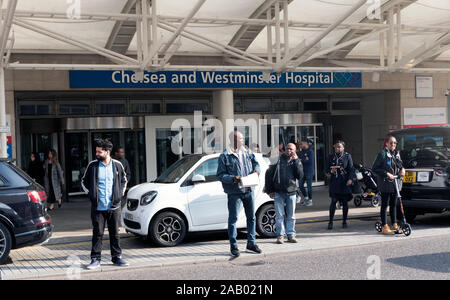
(77, 159)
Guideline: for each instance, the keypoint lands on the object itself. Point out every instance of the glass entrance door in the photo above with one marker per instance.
(80, 150)
(315, 134)
(77, 153)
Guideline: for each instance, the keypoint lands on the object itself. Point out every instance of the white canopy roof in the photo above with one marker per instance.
(235, 29)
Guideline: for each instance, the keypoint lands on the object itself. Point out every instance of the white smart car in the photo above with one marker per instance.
(188, 197)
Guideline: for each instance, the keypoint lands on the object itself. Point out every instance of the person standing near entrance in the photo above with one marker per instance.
(36, 168)
(105, 182)
(306, 155)
(340, 170)
(284, 186)
(387, 165)
(53, 179)
(119, 154)
(236, 162)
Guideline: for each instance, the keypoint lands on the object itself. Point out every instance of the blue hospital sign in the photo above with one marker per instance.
(213, 79)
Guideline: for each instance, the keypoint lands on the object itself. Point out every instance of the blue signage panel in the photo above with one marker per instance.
(213, 79)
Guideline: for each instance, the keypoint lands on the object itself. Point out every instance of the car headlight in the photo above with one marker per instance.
(147, 198)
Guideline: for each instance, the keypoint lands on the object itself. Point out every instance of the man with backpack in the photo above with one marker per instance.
(281, 185)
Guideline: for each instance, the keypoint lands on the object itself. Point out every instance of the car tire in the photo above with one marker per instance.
(5, 243)
(265, 221)
(167, 229)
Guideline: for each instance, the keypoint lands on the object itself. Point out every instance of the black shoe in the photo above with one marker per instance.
(254, 248)
(59, 204)
(330, 226)
(344, 225)
(235, 252)
(117, 261)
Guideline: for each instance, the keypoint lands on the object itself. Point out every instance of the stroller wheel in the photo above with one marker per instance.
(378, 226)
(406, 229)
(376, 200)
(357, 201)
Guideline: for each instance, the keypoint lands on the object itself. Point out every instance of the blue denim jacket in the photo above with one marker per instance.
(229, 166)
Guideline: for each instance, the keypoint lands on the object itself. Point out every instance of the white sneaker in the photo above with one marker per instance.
(304, 201)
(309, 203)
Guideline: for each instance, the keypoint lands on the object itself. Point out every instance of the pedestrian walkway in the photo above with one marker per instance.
(68, 252)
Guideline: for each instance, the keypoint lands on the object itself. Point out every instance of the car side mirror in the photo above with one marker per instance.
(198, 179)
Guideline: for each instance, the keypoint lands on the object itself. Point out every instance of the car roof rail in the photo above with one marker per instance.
(9, 160)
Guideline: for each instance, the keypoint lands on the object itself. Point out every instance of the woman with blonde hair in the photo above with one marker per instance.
(53, 179)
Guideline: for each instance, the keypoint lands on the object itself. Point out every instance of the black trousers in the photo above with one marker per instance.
(391, 199)
(334, 200)
(99, 219)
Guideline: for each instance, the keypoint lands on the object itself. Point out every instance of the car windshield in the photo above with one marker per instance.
(425, 146)
(178, 169)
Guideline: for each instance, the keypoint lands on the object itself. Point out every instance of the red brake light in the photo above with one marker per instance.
(37, 197)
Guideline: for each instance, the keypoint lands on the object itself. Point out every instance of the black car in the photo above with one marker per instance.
(23, 215)
(425, 153)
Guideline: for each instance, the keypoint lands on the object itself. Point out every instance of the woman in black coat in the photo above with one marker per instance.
(387, 165)
(340, 171)
(36, 168)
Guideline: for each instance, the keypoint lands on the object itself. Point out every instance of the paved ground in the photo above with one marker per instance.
(68, 251)
(405, 259)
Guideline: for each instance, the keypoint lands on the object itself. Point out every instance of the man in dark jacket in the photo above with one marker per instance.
(387, 165)
(120, 156)
(283, 188)
(306, 155)
(236, 162)
(105, 182)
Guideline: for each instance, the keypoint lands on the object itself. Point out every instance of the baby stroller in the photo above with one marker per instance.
(369, 187)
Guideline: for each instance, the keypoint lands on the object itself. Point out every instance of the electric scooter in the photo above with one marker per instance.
(404, 228)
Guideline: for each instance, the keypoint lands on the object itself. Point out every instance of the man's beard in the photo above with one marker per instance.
(101, 158)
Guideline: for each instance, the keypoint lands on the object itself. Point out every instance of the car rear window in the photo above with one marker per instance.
(10, 176)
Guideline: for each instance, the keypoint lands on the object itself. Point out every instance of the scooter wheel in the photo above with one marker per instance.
(378, 226)
(406, 229)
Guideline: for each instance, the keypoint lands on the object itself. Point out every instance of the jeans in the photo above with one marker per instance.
(234, 205)
(308, 178)
(99, 218)
(285, 214)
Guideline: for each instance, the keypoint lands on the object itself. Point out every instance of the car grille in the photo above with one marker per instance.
(132, 204)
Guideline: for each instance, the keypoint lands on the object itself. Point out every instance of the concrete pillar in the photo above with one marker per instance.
(223, 110)
(3, 146)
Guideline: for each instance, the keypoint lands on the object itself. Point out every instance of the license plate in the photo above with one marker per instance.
(410, 177)
(129, 216)
(423, 176)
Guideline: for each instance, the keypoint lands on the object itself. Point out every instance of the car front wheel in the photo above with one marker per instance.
(265, 221)
(168, 229)
(5, 243)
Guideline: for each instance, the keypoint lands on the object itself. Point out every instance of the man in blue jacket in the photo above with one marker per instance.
(306, 155)
(236, 162)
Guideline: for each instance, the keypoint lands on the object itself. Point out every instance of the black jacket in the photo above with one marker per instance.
(387, 161)
(282, 176)
(126, 166)
(338, 183)
(89, 182)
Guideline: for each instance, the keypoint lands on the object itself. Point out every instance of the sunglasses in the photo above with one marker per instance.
(393, 143)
